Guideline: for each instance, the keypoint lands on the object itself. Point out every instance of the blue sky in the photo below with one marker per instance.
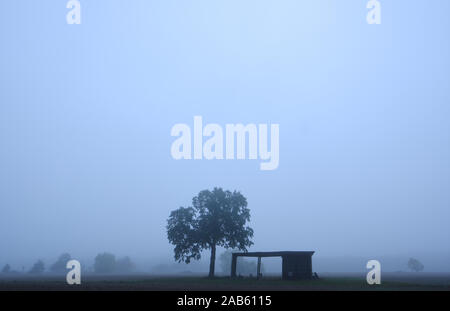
(86, 112)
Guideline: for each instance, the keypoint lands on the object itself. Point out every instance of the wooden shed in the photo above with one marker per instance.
(295, 265)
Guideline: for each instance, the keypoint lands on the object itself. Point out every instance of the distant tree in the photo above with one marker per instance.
(217, 218)
(38, 267)
(415, 265)
(124, 265)
(60, 265)
(6, 269)
(243, 266)
(105, 263)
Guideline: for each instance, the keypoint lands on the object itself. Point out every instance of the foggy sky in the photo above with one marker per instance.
(86, 112)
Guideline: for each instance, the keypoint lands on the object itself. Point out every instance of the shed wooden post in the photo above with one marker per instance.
(258, 270)
(233, 265)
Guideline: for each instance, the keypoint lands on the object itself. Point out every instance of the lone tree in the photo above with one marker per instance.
(415, 265)
(216, 218)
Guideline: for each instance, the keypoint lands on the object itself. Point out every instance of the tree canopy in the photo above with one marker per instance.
(216, 218)
(60, 265)
(415, 265)
(105, 263)
(38, 267)
(124, 265)
(6, 269)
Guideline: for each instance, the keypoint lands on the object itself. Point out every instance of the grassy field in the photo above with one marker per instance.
(404, 282)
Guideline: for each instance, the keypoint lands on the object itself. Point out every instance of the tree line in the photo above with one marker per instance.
(104, 263)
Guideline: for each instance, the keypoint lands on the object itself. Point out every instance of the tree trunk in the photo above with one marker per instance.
(212, 261)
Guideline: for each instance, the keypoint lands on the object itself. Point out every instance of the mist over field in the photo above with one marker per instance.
(86, 113)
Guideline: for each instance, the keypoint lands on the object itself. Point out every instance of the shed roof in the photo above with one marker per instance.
(274, 254)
